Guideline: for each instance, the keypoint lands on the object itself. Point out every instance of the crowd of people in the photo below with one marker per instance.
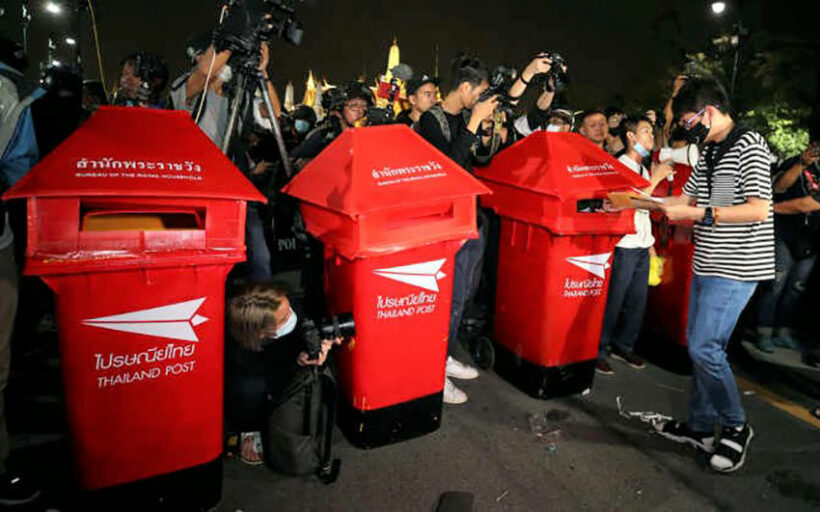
(756, 221)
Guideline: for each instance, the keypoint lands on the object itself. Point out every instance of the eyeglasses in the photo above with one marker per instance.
(689, 123)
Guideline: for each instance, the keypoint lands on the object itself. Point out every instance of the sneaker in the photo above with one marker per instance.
(730, 453)
(453, 395)
(459, 370)
(604, 368)
(629, 358)
(788, 342)
(16, 490)
(680, 432)
(765, 344)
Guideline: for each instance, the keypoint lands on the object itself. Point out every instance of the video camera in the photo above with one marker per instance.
(249, 22)
(390, 92)
(340, 326)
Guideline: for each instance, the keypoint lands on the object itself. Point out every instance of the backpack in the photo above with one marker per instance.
(298, 430)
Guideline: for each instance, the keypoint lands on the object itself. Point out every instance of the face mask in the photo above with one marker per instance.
(642, 150)
(301, 126)
(553, 128)
(697, 134)
(225, 74)
(288, 326)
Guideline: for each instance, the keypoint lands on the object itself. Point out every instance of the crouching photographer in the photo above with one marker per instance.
(280, 397)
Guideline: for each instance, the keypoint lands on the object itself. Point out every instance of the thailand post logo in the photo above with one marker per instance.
(173, 321)
(595, 264)
(423, 275)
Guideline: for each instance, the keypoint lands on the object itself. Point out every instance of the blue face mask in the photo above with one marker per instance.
(301, 126)
(642, 150)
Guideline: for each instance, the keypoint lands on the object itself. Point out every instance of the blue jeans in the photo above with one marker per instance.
(715, 304)
(466, 272)
(625, 300)
(778, 299)
(258, 265)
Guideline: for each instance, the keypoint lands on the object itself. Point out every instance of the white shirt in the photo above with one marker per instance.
(642, 238)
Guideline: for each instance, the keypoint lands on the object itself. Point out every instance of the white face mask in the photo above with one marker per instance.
(553, 128)
(225, 74)
(288, 326)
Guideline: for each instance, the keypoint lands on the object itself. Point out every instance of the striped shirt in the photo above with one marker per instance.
(742, 251)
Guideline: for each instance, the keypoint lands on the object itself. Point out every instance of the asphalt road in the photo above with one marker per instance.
(591, 459)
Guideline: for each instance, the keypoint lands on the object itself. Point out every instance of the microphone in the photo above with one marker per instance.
(403, 72)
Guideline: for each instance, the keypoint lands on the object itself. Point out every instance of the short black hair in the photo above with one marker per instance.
(630, 124)
(611, 111)
(358, 90)
(467, 69)
(698, 93)
(592, 112)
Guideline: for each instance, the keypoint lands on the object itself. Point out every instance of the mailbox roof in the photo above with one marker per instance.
(136, 152)
(564, 165)
(379, 168)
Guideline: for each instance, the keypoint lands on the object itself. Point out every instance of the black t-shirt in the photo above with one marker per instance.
(458, 148)
(800, 231)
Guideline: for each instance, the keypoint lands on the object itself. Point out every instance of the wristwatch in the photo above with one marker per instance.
(708, 217)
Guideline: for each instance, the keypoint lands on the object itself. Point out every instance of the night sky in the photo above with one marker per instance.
(618, 51)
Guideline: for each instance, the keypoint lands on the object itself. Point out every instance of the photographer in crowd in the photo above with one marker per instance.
(211, 73)
(629, 278)
(143, 77)
(453, 127)
(265, 353)
(729, 197)
(421, 93)
(346, 109)
(797, 233)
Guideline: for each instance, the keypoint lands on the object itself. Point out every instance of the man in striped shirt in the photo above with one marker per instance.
(729, 197)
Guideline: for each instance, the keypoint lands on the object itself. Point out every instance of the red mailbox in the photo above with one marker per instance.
(392, 211)
(553, 258)
(134, 222)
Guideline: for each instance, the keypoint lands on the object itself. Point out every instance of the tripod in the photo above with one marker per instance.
(249, 79)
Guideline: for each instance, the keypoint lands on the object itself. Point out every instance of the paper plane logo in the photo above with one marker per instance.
(424, 275)
(595, 264)
(174, 321)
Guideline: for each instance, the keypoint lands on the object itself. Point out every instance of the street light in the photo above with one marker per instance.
(54, 8)
(718, 8)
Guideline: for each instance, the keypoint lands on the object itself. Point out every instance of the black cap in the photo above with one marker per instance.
(414, 83)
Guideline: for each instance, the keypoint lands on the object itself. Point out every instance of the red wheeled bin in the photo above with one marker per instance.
(667, 308)
(391, 211)
(134, 222)
(553, 258)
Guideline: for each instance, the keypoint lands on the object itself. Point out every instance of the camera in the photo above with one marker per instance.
(501, 79)
(339, 326)
(559, 77)
(250, 21)
(378, 116)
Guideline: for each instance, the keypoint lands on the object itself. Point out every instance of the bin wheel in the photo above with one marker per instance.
(483, 352)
